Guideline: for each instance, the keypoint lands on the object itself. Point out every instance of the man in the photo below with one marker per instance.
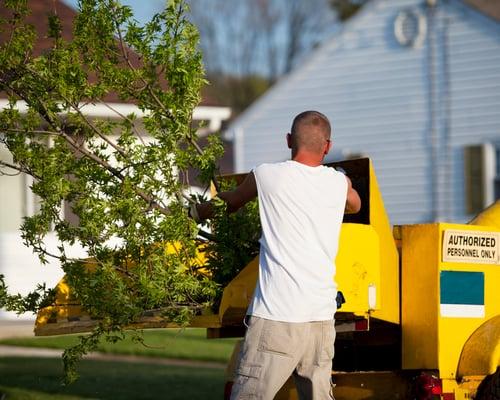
(291, 317)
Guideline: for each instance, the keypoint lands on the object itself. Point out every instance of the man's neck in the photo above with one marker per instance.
(312, 160)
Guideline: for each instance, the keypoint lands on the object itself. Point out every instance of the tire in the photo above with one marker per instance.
(489, 389)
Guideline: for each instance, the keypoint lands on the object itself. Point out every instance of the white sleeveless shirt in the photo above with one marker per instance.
(301, 210)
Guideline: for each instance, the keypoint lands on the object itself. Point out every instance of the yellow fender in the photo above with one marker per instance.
(238, 294)
(481, 353)
(489, 217)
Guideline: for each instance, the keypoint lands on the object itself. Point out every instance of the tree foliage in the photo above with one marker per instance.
(127, 192)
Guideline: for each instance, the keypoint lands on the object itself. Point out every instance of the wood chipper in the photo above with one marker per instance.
(419, 314)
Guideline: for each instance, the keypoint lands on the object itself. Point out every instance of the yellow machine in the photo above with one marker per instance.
(450, 303)
(421, 318)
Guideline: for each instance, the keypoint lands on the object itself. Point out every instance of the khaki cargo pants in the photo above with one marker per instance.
(273, 350)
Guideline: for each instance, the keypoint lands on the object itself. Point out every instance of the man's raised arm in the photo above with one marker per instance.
(235, 199)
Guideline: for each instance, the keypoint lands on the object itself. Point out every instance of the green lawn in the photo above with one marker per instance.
(36, 378)
(188, 344)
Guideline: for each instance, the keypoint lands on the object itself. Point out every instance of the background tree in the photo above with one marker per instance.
(128, 193)
(248, 44)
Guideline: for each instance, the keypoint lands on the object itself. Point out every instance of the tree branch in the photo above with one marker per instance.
(19, 169)
(41, 109)
(126, 119)
(11, 166)
(36, 131)
(44, 251)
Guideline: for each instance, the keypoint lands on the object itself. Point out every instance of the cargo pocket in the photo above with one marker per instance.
(249, 371)
(277, 339)
(327, 341)
(246, 384)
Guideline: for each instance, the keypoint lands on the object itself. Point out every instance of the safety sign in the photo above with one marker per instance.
(471, 246)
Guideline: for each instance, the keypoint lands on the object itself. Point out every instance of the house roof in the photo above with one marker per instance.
(489, 7)
(40, 10)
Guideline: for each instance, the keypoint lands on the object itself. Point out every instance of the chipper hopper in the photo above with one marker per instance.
(367, 252)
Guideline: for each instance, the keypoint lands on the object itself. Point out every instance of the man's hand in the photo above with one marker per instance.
(353, 202)
(193, 213)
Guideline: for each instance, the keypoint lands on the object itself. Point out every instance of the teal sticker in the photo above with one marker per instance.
(459, 287)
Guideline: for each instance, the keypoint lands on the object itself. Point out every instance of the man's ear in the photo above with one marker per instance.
(289, 140)
(328, 147)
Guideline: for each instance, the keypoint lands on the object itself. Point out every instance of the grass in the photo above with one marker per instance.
(189, 344)
(39, 379)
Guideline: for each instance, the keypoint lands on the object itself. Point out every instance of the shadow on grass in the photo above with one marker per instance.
(40, 378)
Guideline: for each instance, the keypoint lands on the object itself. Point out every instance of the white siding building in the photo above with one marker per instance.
(410, 84)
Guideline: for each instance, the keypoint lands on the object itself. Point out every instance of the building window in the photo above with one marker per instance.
(482, 176)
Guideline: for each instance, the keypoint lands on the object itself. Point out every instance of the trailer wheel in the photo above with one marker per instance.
(489, 389)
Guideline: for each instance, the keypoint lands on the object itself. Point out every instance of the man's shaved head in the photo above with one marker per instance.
(310, 130)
